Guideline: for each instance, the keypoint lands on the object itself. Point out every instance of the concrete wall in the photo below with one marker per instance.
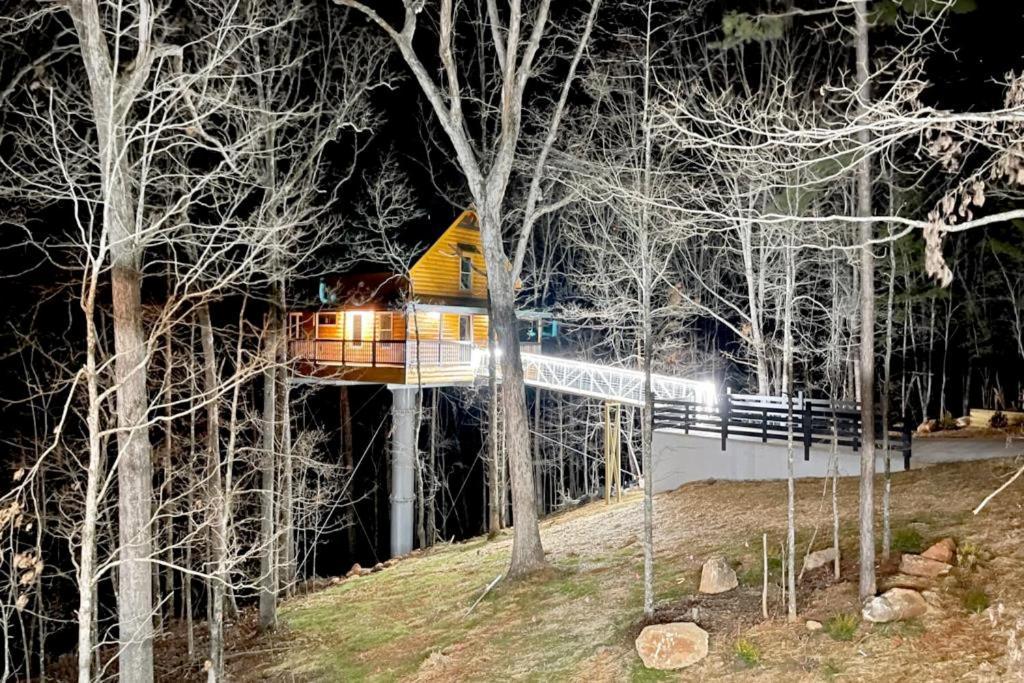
(680, 458)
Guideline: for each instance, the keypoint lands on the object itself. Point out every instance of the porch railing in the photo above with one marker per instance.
(382, 352)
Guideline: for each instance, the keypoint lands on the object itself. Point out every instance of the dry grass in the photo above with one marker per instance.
(576, 621)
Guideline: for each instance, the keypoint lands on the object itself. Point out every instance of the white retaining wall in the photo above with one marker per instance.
(680, 458)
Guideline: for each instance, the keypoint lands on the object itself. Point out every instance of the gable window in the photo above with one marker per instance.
(465, 328)
(465, 271)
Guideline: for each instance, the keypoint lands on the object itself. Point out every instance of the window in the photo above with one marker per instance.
(327, 319)
(465, 272)
(385, 324)
(465, 328)
(357, 330)
(294, 325)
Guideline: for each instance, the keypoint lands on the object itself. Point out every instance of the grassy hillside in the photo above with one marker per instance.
(577, 620)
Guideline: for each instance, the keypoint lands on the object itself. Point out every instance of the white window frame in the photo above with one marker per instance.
(468, 321)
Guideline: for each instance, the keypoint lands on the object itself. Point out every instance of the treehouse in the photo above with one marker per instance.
(426, 326)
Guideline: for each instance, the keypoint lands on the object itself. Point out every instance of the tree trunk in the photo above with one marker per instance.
(867, 322)
(494, 466)
(267, 583)
(347, 461)
(134, 474)
(527, 552)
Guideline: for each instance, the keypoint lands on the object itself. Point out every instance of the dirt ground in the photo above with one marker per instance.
(577, 620)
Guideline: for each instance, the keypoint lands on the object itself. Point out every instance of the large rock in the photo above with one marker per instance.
(918, 565)
(894, 605)
(717, 576)
(943, 551)
(918, 583)
(672, 646)
(819, 558)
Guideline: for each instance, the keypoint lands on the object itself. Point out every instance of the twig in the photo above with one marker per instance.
(999, 490)
(764, 576)
(487, 590)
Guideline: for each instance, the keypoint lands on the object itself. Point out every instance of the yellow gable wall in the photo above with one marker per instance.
(436, 273)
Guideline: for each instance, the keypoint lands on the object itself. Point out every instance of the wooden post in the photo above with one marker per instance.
(723, 410)
(808, 426)
(907, 439)
(607, 455)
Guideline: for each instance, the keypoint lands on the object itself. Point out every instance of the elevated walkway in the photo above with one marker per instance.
(600, 381)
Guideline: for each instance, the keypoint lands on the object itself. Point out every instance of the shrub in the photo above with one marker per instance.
(947, 422)
(842, 626)
(975, 600)
(969, 555)
(747, 652)
(998, 420)
(907, 540)
(830, 668)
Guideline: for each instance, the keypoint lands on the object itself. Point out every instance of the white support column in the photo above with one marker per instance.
(403, 453)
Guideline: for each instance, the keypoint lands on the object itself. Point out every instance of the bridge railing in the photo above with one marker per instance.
(774, 418)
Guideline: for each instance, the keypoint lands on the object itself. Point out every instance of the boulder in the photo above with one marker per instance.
(717, 576)
(943, 551)
(904, 581)
(895, 604)
(964, 421)
(377, 567)
(672, 646)
(355, 571)
(818, 559)
(918, 565)
(814, 625)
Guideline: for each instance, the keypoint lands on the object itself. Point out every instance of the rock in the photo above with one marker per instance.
(717, 576)
(355, 571)
(896, 604)
(918, 565)
(943, 551)
(904, 581)
(964, 421)
(927, 427)
(813, 625)
(672, 646)
(818, 559)
(391, 562)
(365, 571)
(379, 566)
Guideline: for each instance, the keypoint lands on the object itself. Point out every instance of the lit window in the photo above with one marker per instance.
(465, 328)
(465, 272)
(357, 330)
(385, 326)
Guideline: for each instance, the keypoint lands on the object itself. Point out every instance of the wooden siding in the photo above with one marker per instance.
(436, 273)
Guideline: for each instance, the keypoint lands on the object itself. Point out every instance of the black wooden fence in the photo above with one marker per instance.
(773, 418)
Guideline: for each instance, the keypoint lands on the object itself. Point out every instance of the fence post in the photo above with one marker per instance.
(907, 438)
(723, 408)
(764, 425)
(807, 426)
(686, 418)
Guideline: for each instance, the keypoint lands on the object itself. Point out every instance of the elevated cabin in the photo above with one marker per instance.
(424, 327)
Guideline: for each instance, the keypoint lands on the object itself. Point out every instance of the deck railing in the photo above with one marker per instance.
(382, 352)
(811, 421)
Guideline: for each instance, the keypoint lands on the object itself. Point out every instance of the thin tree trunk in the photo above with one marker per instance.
(867, 320)
(494, 521)
(268, 588)
(347, 461)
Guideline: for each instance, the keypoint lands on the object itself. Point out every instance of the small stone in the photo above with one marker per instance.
(819, 558)
(814, 625)
(672, 646)
(918, 565)
(896, 604)
(716, 576)
(354, 571)
(943, 551)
